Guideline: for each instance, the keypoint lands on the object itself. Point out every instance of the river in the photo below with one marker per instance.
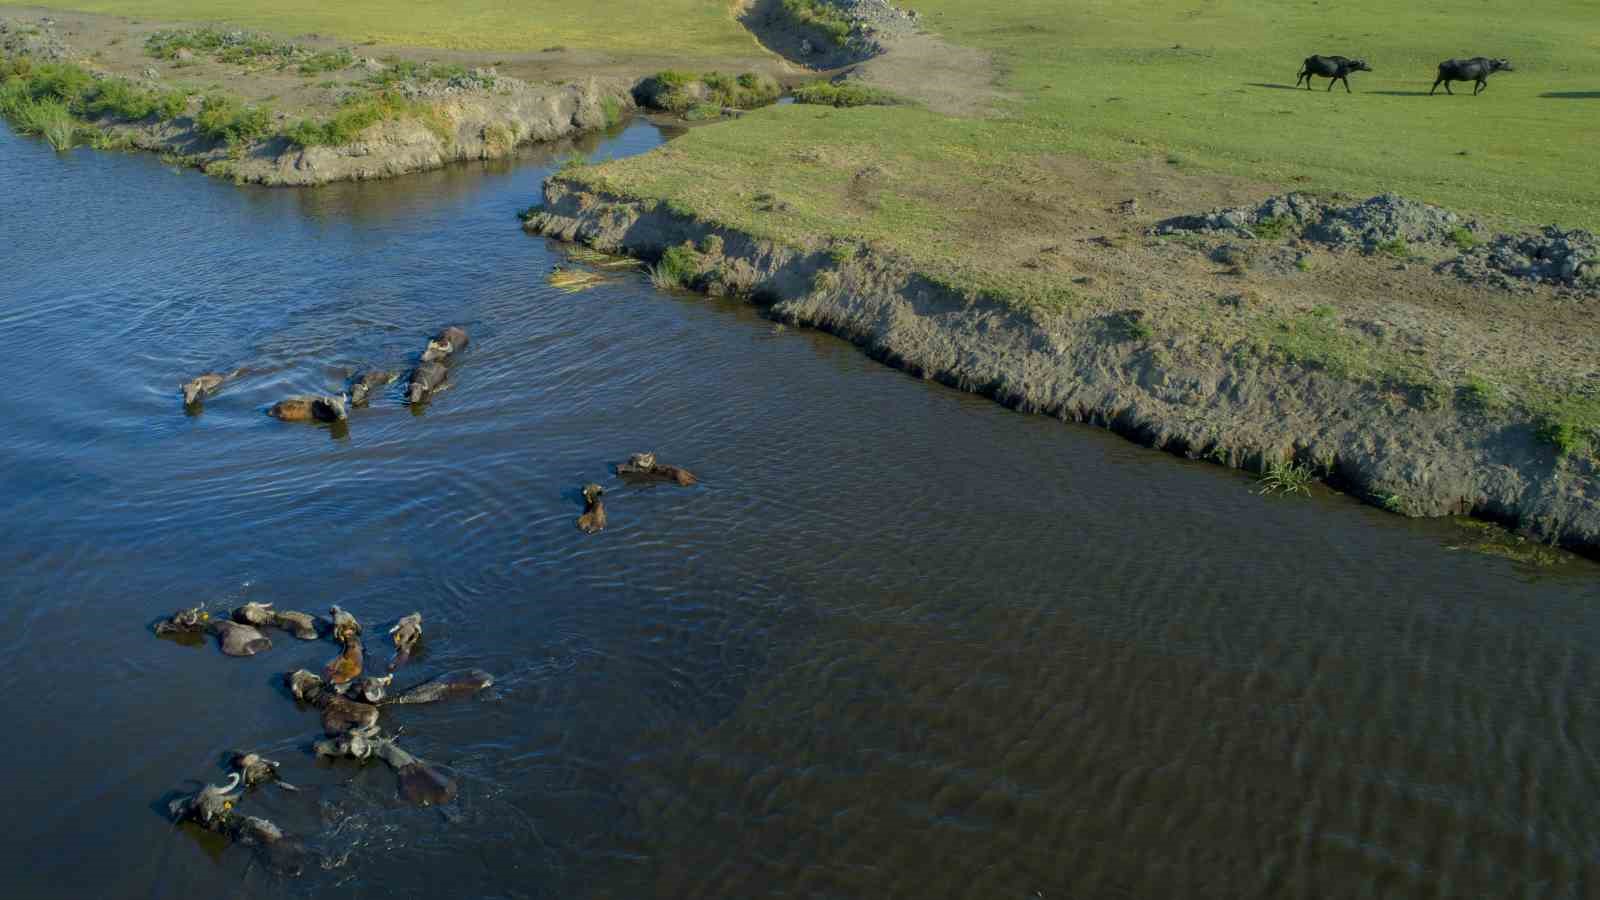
(899, 642)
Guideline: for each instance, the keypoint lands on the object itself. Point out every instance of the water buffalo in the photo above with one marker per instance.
(262, 615)
(362, 386)
(1477, 69)
(256, 769)
(310, 409)
(406, 633)
(198, 388)
(194, 620)
(426, 379)
(1333, 68)
(370, 689)
(420, 782)
(345, 625)
(593, 520)
(239, 640)
(210, 807)
(444, 344)
(339, 715)
(644, 465)
(452, 684)
(301, 625)
(346, 667)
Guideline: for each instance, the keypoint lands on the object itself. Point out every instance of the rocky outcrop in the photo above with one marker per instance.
(1410, 453)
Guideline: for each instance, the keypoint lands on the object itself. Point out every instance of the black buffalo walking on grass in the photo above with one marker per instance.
(1333, 68)
(1477, 69)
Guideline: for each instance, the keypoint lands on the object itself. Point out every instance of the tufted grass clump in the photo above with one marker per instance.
(225, 118)
(1286, 478)
(822, 16)
(49, 119)
(676, 268)
(676, 91)
(357, 114)
(843, 94)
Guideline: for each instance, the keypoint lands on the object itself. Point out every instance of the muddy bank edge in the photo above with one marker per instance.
(1410, 453)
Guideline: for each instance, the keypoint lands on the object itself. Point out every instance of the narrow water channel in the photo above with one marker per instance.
(900, 642)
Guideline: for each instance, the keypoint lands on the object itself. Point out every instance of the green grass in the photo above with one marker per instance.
(358, 114)
(52, 99)
(701, 29)
(225, 118)
(843, 94)
(47, 118)
(327, 61)
(821, 16)
(1287, 478)
(680, 92)
(1463, 239)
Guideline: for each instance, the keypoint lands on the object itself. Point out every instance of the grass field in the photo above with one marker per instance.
(691, 28)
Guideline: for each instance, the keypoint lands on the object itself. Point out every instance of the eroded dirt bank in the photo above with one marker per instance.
(419, 114)
(1408, 452)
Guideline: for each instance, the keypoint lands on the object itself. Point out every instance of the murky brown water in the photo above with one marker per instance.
(900, 643)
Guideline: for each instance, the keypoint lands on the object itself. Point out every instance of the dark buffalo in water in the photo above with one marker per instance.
(1477, 69)
(369, 689)
(1333, 68)
(345, 625)
(339, 715)
(193, 620)
(239, 640)
(310, 409)
(426, 380)
(255, 769)
(212, 809)
(261, 615)
(593, 520)
(420, 782)
(645, 465)
(453, 684)
(364, 384)
(198, 388)
(405, 633)
(447, 342)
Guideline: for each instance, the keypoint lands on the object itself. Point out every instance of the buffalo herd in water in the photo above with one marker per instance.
(347, 696)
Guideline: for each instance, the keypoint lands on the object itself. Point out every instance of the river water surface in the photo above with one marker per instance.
(900, 642)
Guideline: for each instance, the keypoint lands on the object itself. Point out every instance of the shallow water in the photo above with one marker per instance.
(900, 642)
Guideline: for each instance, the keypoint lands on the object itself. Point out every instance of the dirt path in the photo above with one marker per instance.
(944, 77)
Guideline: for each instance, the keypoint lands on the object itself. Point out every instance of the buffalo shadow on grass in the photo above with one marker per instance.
(1280, 87)
(1400, 93)
(1570, 95)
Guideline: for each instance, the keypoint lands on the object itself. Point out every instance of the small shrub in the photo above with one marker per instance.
(1394, 503)
(1397, 248)
(1463, 239)
(1286, 478)
(1303, 262)
(612, 107)
(680, 263)
(225, 118)
(842, 94)
(822, 16)
(120, 99)
(358, 114)
(50, 119)
(1569, 438)
(702, 112)
(327, 61)
(1478, 394)
(1273, 229)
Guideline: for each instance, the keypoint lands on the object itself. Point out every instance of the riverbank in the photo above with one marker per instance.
(259, 108)
(1301, 401)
